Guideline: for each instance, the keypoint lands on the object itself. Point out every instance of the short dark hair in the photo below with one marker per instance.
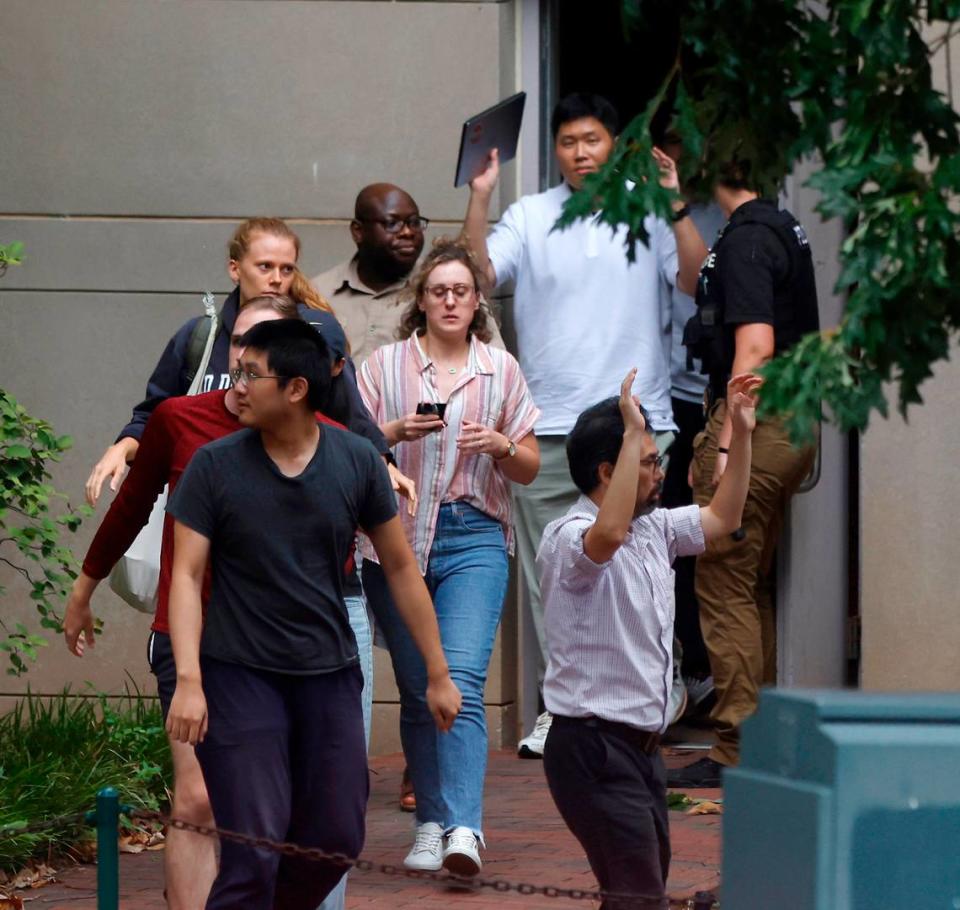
(294, 349)
(735, 174)
(585, 104)
(596, 437)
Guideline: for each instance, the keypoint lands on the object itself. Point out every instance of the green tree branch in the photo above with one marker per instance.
(769, 83)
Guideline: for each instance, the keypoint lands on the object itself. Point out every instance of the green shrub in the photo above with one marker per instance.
(31, 524)
(56, 753)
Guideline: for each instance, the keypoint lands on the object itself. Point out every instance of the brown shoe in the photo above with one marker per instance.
(408, 799)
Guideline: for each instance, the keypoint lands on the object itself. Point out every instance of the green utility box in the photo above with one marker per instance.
(845, 800)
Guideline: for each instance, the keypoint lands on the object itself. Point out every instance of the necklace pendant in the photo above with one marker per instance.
(452, 371)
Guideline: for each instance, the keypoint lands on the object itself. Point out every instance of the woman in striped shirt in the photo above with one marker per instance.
(460, 418)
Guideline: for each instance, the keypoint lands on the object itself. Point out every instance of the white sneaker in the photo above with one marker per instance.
(531, 746)
(426, 855)
(677, 700)
(699, 690)
(461, 856)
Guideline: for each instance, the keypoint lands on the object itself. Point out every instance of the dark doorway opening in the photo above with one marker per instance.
(594, 50)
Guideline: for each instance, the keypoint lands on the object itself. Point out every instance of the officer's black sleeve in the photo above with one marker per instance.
(749, 264)
(167, 380)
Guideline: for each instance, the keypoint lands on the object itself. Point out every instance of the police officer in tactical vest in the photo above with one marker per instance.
(756, 297)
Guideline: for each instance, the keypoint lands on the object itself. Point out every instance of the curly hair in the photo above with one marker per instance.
(444, 249)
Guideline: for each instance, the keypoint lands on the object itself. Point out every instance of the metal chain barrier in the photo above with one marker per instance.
(76, 820)
(702, 901)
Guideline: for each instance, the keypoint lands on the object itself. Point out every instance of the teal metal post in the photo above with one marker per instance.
(108, 850)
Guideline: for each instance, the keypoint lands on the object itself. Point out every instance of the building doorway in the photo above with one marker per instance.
(586, 48)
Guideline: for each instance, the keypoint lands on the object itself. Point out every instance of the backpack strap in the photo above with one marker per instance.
(200, 334)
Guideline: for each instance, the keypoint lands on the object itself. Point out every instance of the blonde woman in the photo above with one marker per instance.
(460, 418)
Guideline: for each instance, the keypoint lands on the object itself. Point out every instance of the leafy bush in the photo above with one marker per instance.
(29, 528)
(56, 753)
(12, 254)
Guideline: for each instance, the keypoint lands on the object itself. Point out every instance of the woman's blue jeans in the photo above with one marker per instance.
(467, 578)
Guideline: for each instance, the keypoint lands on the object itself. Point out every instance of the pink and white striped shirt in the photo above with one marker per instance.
(491, 391)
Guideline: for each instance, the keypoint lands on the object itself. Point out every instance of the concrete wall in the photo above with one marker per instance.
(910, 500)
(910, 571)
(135, 135)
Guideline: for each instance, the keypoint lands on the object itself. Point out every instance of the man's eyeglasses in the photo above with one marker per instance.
(653, 462)
(248, 376)
(395, 225)
(439, 291)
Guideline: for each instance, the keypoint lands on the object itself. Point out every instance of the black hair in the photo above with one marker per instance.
(596, 437)
(735, 174)
(585, 104)
(294, 349)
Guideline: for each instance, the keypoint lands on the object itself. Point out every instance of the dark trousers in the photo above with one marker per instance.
(284, 758)
(677, 492)
(613, 798)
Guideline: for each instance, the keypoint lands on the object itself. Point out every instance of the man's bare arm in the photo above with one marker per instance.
(607, 534)
(187, 718)
(725, 512)
(475, 224)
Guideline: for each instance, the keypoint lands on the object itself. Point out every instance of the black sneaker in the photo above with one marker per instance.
(702, 773)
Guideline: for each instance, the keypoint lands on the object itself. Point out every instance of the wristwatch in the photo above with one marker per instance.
(511, 451)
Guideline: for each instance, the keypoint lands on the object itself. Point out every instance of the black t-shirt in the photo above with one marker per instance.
(279, 545)
(753, 267)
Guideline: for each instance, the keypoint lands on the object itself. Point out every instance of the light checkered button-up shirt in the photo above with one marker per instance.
(610, 626)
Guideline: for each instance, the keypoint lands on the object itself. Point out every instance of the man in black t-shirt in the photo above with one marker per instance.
(269, 684)
(756, 297)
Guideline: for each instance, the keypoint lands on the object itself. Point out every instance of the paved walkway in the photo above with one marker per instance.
(527, 843)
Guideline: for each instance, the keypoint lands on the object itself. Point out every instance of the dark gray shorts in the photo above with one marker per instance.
(160, 658)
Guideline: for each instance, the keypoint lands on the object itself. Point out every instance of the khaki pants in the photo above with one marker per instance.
(536, 505)
(734, 577)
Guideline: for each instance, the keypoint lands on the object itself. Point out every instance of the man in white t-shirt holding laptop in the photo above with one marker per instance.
(583, 313)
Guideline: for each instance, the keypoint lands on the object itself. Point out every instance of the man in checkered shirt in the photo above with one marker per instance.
(607, 583)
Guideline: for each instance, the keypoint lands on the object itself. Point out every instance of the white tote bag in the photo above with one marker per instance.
(136, 576)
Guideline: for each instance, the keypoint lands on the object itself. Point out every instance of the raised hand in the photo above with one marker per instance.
(669, 179)
(742, 401)
(630, 404)
(485, 182)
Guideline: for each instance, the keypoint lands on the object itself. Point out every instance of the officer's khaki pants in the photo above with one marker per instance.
(733, 578)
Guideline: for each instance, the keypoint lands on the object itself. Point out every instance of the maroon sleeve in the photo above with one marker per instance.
(131, 508)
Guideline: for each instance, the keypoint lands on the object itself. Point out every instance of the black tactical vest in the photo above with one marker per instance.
(705, 335)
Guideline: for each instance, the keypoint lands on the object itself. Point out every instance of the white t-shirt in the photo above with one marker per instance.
(584, 314)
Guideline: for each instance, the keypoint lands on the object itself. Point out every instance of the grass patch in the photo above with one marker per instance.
(56, 753)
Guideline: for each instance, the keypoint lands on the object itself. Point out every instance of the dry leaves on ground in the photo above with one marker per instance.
(138, 841)
(705, 807)
(33, 876)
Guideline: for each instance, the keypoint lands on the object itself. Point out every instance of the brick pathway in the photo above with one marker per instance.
(528, 843)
